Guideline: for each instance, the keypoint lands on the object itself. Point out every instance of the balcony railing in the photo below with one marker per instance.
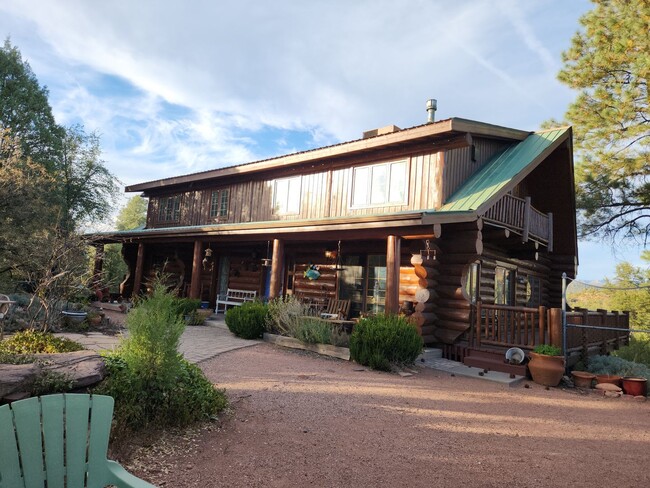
(517, 214)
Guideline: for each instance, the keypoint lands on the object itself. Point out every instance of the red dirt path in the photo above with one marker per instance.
(301, 420)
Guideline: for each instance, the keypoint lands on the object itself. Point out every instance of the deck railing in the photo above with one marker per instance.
(524, 327)
(519, 215)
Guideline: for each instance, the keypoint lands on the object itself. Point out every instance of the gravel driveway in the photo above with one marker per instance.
(302, 420)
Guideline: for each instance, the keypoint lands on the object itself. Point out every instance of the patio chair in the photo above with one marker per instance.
(341, 308)
(59, 440)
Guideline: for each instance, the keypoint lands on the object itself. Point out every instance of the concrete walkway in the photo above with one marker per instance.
(197, 344)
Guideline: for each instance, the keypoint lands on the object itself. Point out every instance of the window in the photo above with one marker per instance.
(219, 203)
(169, 208)
(380, 184)
(470, 282)
(286, 196)
(533, 291)
(504, 280)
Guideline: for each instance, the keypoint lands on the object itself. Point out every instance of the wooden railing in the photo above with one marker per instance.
(579, 338)
(508, 326)
(519, 215)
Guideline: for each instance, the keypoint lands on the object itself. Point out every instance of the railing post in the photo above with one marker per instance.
(564, 338)
(542, 325)
(550, 239)
(526, 228)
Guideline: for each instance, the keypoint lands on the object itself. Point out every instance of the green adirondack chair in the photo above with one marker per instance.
(61, 440)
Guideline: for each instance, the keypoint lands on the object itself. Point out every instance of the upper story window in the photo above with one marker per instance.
(169, 208)
(286, 196)
(380, 184)
(219, 203)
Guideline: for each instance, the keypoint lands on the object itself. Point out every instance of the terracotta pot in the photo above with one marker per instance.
(546, 370)
(635, 386)
(609, 378)
(583, 379)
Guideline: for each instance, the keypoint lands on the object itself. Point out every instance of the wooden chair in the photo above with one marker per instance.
(61, 440)
(338, 307)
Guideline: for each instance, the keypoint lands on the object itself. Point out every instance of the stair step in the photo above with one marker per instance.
(492, 364)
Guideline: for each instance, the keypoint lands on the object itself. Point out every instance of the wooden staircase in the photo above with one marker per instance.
(492, 361)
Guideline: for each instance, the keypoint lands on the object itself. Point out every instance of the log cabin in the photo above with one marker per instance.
(465, 226)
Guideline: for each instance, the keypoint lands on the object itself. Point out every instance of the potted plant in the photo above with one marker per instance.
(546, 365)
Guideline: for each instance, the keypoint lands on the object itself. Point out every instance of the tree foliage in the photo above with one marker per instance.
(133, 214)
(609, 63)
(26, 110)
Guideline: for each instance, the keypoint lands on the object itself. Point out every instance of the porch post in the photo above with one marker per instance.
(392, 274)
(139, 264)
(195, 284)
(276, 268)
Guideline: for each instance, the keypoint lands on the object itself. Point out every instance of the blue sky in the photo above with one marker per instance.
(175, 87)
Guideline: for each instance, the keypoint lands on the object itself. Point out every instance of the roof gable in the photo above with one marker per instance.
(504, 171)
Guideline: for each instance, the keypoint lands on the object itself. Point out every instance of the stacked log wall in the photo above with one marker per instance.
(316, 291)
(425, 296)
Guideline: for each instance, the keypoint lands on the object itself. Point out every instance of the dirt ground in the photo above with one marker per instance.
(298, 420)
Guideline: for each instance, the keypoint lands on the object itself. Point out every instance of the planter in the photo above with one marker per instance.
(583, 379)
(76, 317)
(609, 378)
(546, 370)
(635, 386)
(323, 349)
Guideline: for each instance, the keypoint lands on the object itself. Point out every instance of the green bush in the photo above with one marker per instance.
(140, 402)
(151, 383)
(248, 320)
(548, 350)
(34, 342)
(314, 331)
(285, 315)
(384, 340)
(185, 306)
(637, 351)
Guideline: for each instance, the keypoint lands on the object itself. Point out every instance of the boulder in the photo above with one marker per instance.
(608, 387)
(84, 368)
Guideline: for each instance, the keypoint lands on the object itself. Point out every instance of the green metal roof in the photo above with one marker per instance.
(503, 169)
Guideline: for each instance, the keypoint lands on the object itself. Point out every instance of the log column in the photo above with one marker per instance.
(195, 284)
(276, 268)
(392, 274)
(139, 264)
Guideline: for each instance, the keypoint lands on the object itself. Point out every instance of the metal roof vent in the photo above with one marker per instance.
(432, 106)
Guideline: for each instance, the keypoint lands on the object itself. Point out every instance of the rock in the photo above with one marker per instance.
(404, 374)
(608, 387)
(84, 368)
(640, 398)
(16, 377)
(612, 394)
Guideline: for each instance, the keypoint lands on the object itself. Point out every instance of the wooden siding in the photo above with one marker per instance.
(323, 194)
(459, 165)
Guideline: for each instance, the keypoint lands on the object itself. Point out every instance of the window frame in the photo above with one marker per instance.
(279, 210)
(217, 210)
(509, 284)
(167, 213)
(368, 184)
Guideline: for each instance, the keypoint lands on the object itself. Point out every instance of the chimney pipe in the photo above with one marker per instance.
(432, 106)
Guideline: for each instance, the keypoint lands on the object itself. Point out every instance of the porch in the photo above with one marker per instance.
(497, 328)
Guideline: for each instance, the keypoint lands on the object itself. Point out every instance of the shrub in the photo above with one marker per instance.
(314, 331)
(8, 358)
(637, 351)
(35, 342)
(285, 315)
(51, 382)
(548, 350)
(140, 403)
(613, 365)
(151, 383)
(384, 340)
(185, 306)
(247, 321)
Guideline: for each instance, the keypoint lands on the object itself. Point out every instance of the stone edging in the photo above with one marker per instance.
(324, 349)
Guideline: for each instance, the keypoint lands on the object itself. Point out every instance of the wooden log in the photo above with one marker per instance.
(425, 295)
(409, 279)
(426, 283)
(449, 291)
(425, 307)
(403, 297)
(457, 315)
(448, 280)
(460, 258)
(425, 272)
(423, 318)
(447, 336)
(429, 339)
(417, 259)
(453, 325)
(427, 330)
(408, 289)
